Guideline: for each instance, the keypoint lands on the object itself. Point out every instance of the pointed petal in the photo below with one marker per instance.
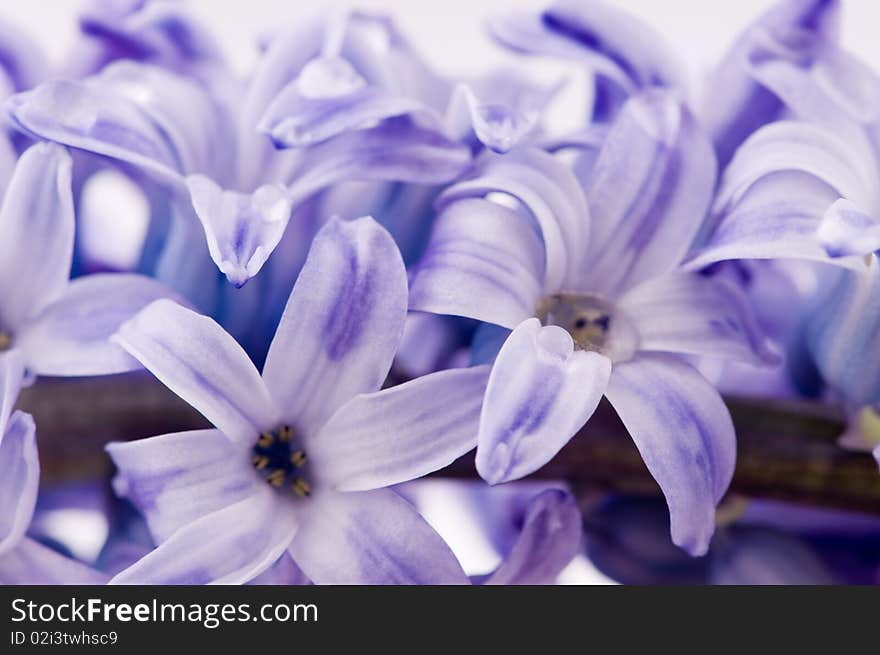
(547, 189)
(842, 334)
(484, 261)
(36, 223)
(20, 479)
(402, 433)
(32, 563)
(342, 323)
(242, 228)
(229, 546)
(685, 436)
(540, 392)
(371, 537)
(200, 362)
(394, 151)
(697, 315)
(175, 479)
(549, 540)
(649, 192)
(72, 335)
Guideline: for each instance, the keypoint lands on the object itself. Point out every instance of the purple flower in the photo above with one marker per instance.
(301, 456)
(59, 326)
(597, 305)
(23, 560)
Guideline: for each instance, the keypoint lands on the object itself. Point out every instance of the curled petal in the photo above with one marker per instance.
(697, 315)
(685, 436)
(242, 228)
(21, 476)
(402, 433)
(649, 191)
(342, 324)
(197, 360)
(72, 335)
(175, 479)
(842, 334)
(846, 230)
(229, 546)
(549, 540)
(371, 537)
(546, 188)
(540, 392)
(37, 223)
(484, 261)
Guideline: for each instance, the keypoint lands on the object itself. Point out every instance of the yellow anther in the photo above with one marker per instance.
(301, 487)
(261, 461)
(276, 477)
(298, 458)
(285, 433)
(265, 440)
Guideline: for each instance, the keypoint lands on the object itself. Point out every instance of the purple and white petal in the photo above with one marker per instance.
(546, 188)
(71, 337)
(685, 436)
(549, 540)
(697, 315)
(393, 151)
(37, 227)
(32, 563)
(20, 478)
(229, 546)
(371, 537)
(242, 229)
(175, 479)
(846, 230)
(649, 192)
(22, 61)
(143, 115)
(283, 572)
(12, 375)
(540, 393)
(195, 358)
(329, 97)
(484, 261)
(402, 433)
(342, 324)
(842, 334)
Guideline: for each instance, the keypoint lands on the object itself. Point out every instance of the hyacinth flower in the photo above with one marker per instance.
(22, 559)
(60, 327)
(524, 533)
(301, 457)
(202, 140)
(597, 305)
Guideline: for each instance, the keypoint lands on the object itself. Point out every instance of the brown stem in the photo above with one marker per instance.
(786, 450)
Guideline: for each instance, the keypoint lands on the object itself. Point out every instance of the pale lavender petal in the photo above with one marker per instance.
(391, 151)
(541, 391)
(12, 374)
(736, 104)
(649, 192)
(842, 334)
(549, 190)
(229, 546)
(846, 230)
(549, 540)
(72, 335)
(685, 436)
(32, 563)
(165, 124)
(329, 98)
(342, 323)
(402, 433)
(242, 229)
(484, 261)
(22, 60)
(20, 479)
(697, 315)
(283, 572)
(175, 479)
(371, 537)
(37, 226)
(201, 363)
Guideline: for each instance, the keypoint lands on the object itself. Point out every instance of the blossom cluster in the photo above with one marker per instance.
(358, 271)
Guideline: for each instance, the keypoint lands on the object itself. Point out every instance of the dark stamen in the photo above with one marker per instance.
(277, 458)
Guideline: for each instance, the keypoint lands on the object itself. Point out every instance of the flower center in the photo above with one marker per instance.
(5, 341)
(593, 323)
(280, 462)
